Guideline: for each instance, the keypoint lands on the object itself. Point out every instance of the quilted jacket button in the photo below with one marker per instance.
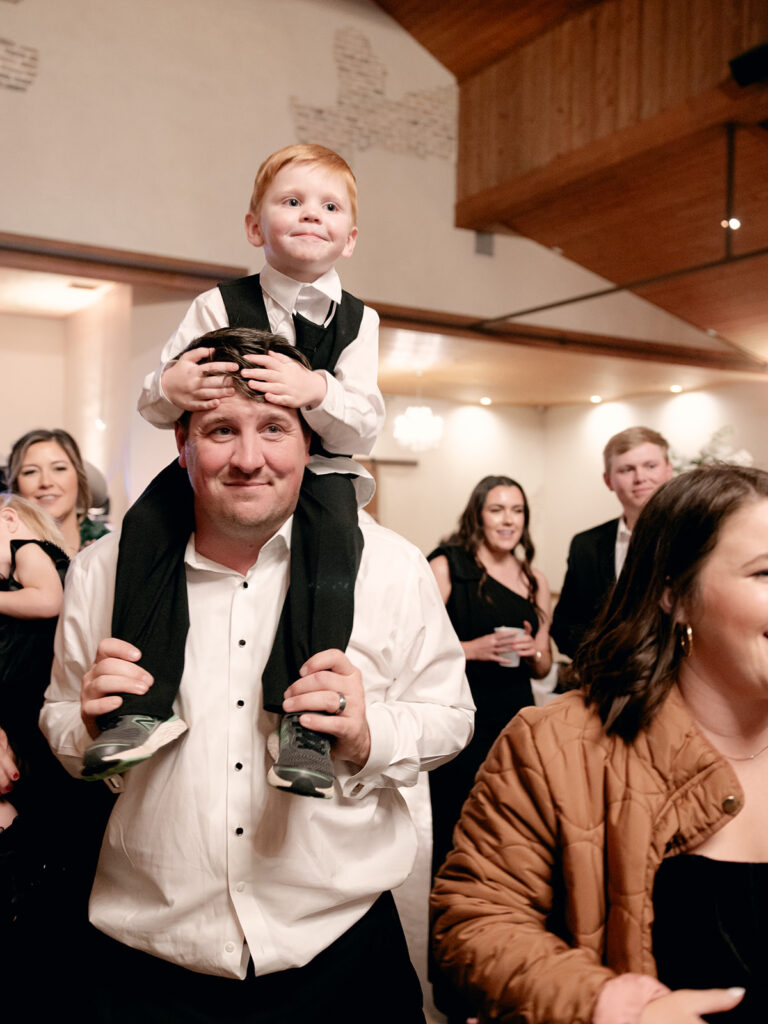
(731, 805)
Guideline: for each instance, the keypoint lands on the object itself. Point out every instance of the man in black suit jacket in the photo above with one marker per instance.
(636, 465)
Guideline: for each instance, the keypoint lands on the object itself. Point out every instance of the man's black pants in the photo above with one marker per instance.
(364, 977)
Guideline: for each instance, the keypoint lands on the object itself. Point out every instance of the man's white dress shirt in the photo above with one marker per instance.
(349, 418)
(203, 862)
(623, 537)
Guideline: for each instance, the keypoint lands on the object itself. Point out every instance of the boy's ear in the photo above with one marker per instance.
(349, 248)
(253, 230)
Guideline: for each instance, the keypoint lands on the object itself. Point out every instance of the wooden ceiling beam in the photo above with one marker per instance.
(499, 205)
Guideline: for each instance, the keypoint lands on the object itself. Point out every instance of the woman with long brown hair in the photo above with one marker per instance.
(500, 607)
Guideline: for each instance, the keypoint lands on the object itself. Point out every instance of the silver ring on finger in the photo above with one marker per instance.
(342, 704)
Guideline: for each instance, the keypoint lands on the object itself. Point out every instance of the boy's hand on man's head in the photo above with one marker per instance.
(285, 381)
(193, 386)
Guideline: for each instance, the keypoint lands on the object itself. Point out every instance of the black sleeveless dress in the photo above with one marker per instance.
(48, 854)
(498, 692)
(710, 930)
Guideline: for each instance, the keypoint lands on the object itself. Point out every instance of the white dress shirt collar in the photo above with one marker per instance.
(623, 536)
(280, 540)
(311, 300)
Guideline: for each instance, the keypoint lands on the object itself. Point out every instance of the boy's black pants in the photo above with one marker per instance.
(151, 609)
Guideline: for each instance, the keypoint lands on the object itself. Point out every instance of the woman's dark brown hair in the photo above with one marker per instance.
(470, 533)
(629, 661)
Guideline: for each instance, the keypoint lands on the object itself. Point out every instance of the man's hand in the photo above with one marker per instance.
(9, 773)
(114, 671)
(326, 676)
(285, 381)
(196, 387)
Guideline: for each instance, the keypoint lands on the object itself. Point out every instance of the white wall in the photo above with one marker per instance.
(145, 122)
(423, 502)
(33, 358)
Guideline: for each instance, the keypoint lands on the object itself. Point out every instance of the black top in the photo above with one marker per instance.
(48, 854)
(26, 653)
(710, 930)
(498, 691)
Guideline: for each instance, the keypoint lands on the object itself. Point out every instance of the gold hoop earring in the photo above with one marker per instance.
(685, 639)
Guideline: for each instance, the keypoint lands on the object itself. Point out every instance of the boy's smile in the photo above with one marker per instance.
(304, 222)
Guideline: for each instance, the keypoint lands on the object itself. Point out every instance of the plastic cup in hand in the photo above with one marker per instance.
(510, 659)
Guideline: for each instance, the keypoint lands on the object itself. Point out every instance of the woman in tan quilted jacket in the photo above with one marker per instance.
(611, 863)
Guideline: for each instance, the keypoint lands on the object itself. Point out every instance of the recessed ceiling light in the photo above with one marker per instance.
(485, 400)
(83, 286)
(595, 399)
(733, 223)
(675, 388)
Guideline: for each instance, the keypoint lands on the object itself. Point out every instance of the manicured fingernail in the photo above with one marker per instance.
(15, 776)
(736, 991)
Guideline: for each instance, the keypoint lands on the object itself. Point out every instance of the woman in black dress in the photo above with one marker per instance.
(50, 824)
(487, 581)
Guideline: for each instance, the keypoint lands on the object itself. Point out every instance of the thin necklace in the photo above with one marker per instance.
(749, 757)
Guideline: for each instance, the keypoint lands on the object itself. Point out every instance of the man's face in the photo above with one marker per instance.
(245, 461)
(305, 221)
(636, 475)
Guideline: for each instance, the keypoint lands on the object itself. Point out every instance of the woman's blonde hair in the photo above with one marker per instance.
(34, 518)
(68, 445)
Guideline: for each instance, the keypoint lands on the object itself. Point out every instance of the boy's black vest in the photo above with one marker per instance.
(244, 303)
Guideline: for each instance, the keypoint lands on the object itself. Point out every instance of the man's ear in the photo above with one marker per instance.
(181, 441)
(607, 481)
(253, 230)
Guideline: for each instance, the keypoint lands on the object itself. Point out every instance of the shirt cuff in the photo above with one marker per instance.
(623, 998)
(375, 773)
(327, 413)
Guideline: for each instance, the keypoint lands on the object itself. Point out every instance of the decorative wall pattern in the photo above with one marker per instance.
(422, 123)
(18, 64)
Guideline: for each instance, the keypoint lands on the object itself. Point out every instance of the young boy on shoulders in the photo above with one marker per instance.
(303, 213)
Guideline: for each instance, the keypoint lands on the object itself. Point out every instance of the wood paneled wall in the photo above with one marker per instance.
(605, 70)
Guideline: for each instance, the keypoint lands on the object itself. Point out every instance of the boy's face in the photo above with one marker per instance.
(305, 221)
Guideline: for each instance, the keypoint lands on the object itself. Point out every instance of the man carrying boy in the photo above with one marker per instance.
(222, 900)
(303, 213)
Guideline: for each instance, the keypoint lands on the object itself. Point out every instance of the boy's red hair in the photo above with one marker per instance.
(320, 156)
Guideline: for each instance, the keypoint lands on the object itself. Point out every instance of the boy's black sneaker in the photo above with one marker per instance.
(304, 763)
(131, 740)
